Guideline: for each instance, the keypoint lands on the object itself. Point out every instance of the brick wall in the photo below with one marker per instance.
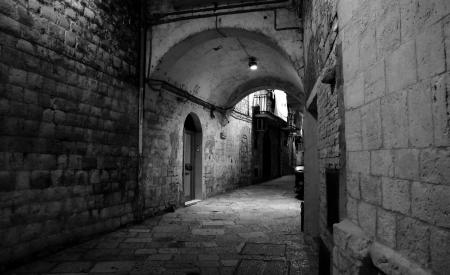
(226, 160)
(397, 84)
(68, 116)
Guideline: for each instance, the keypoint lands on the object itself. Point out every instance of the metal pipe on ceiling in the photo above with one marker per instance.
(166, 21)
(223, 7)
(139, 201)
(217, 14)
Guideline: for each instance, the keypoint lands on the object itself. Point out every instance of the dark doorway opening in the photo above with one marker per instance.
(192, 160)
(332, 186)
(324, 259)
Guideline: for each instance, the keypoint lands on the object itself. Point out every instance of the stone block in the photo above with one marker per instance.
(7, 7)
(24, 17)
(49, 13)
(18, 77)
(368, 50)
(401, 69)
(413, 239)
(30, 97)
(72, 267)
(22, 180)
(447, 42)
(382, 163)
(70, 38)
(440, 105)
(57, 177)
(430, 203)
(352, 209)
(354, 93)
(390, 261)
(346, 8)
(353, 185)
(387, 27)
(348, 236)
(9, 25)
(89, 13)
(371, 126)
(7, 181)
(116, 266)
(394, 116)
(406, 164)
(4, 106)
(430, 52)
(353, 137)
(396, 195)
(420, 115)
(371, 189)
(34, 6)
(350, 52)
(440, 250)
(367, 218)
(70, 13)
(374, 81)
(39, 161)
(435, 166)
(359, 162)
(386, 227)
(419, 14)
(40, 179)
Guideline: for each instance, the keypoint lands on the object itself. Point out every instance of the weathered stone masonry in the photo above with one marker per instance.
(323, 82)
(395, 90)
(69, 122)
(397, 78)
(226, 161)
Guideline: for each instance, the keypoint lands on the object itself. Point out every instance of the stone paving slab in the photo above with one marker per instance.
(253, 230)
(264, 249)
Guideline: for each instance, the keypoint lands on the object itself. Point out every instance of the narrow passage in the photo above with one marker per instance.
(252, 230)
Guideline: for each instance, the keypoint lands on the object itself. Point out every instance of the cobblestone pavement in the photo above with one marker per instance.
(253, 230)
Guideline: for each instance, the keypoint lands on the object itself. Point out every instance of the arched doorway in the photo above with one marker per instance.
(192, 158)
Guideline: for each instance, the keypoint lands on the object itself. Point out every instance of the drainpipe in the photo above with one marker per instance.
(139, 194)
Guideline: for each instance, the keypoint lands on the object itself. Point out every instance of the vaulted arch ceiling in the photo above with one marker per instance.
(213, 65)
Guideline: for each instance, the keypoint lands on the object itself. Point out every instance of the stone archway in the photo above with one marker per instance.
(213, 66)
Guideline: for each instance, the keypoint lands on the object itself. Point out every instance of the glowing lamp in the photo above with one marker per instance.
(252, 64)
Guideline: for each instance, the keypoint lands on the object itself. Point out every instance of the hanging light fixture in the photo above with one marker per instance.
(252, 64)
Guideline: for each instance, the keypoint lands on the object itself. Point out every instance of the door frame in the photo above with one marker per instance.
(197, 154)
(193, 163)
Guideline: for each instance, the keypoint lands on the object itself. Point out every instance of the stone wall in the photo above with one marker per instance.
(226, 150)
(69, 122)
(323, 83)
(318, 18)
(330, 127)
(397, 83)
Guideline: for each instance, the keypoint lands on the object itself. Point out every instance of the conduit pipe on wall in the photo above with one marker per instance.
(157, 85)
(139, 192)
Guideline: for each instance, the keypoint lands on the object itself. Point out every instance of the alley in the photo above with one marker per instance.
(252, 230)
